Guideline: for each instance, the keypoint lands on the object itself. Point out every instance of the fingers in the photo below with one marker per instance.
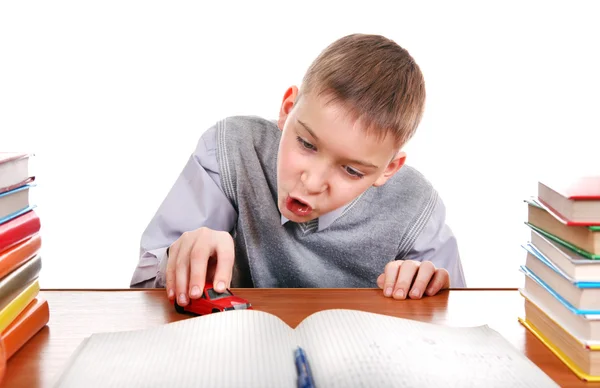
(424, 274)
(389, 277)
(440, 281)
(182, 269)
(188, 261)
(225, 256)
(406, 274)
(170, 272)
(402, 279)
(199, 256)
(380, 280)
(210, 269)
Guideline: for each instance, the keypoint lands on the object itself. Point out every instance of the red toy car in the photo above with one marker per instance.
(212, 301)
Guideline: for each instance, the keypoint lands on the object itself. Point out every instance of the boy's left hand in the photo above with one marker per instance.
(411, 278)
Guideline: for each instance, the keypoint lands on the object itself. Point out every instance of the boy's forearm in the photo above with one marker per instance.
(150, 272)
(195, 200)
(150, 283)
(437, 243)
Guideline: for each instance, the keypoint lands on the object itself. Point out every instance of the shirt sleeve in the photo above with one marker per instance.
(437, 244)
(195, 200)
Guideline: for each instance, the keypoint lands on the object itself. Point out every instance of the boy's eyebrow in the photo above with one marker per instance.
(308, 129)
(366, 164)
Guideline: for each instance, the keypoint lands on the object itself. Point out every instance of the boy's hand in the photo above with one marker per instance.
(402, 276)
(198, 256)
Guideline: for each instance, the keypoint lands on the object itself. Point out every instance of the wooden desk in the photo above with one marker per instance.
(76, 314)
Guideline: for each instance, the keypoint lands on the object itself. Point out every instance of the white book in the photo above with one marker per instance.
(14, 201)
(14, 170)
(582, 298)
(345, 348)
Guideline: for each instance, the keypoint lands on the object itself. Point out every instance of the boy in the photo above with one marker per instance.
(319, 198)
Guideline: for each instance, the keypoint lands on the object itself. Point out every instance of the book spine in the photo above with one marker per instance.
(13, 258)
(18, 230)
(25, 326)
(14, 283)
(16, 307)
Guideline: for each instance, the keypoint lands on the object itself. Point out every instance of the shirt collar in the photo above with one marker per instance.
(325, 220)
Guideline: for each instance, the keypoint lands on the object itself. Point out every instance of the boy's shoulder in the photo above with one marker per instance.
(406, 192)
(248, 125)
(407, 178)
(241, 138)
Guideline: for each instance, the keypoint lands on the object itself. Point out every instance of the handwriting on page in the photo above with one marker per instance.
(363, 350)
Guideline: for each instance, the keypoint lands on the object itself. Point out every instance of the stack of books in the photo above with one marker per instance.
(23, 311)
(562, 272)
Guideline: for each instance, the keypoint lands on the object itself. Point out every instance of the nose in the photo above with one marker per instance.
(315, 180)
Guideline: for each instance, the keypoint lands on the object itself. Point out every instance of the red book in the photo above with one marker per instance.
(18, 229)
(573, 201)
(25, 326)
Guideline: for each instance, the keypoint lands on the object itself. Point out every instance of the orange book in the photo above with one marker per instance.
(12, 259)
(25, 326)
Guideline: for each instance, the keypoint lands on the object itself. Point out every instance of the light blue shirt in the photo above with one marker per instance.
(197, 199)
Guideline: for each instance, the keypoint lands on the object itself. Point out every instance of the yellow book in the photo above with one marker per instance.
(18, 304)
(558, 353)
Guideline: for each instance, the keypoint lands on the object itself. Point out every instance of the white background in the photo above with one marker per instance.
(112, 96)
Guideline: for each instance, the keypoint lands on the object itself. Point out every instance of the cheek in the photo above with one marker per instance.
(290, 161)
(344, 190)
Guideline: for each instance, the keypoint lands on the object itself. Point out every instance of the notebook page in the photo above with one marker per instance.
(358, 349)
(244, 348)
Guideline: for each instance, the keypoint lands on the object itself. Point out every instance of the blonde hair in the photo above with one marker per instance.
(375, 79)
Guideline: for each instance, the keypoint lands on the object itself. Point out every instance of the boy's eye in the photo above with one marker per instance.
(305, 144)
(354, 173)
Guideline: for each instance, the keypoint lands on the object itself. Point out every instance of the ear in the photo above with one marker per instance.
(391, 168)
(289, 99)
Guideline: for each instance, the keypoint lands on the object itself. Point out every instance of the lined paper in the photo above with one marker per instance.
(233, 349)
(357, 349)
(345, 348)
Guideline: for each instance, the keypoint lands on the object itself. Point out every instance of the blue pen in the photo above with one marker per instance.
(305, 379)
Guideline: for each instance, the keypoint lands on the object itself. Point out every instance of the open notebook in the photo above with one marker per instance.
(345, 348)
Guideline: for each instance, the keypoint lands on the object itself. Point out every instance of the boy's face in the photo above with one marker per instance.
(325, 158)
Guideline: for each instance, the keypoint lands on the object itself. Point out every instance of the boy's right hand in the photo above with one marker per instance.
(196, 257)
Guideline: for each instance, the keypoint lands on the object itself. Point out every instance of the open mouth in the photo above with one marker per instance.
(298, 207)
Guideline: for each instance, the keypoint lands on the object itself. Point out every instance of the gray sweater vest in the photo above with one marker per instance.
(379, 226)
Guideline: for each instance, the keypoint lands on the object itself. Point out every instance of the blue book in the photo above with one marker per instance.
(15, 202)
(563, 294)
